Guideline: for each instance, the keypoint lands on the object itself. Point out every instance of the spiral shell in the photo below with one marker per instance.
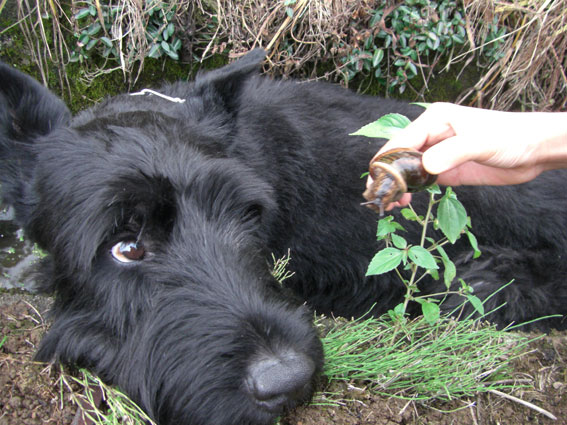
(394, 173)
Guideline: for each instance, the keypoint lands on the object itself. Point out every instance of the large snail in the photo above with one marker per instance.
(394, 173)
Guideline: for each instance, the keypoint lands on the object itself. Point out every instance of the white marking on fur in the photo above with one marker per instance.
(163, 96)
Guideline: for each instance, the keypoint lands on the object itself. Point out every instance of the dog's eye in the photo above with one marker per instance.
(128, 251)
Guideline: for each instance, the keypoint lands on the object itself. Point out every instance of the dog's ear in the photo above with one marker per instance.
(27, 111)
(227, 81)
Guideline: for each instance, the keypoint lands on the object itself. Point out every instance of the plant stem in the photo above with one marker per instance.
(409, 285)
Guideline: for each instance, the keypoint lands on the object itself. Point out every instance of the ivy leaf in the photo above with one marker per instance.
(452, 216)
(422, 257)
(386, 126)
(384, 261)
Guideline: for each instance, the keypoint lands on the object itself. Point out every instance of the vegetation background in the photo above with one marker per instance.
(495, 54)
(487, 53)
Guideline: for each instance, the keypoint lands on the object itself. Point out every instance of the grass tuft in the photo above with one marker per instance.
(417, 361)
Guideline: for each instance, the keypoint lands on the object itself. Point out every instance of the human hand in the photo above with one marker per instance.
(471, 146)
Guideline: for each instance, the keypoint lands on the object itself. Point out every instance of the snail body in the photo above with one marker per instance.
(394, 173)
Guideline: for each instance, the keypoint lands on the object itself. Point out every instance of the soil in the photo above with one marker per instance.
(33, 394)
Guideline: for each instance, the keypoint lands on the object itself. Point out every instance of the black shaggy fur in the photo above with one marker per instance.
(195, 328)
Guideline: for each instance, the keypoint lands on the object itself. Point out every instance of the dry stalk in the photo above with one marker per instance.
(294, 34)
(531, 74)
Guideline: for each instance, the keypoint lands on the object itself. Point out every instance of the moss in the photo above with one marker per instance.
(446, 86)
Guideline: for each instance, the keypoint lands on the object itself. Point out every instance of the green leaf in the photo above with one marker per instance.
(154, 51)
(165, 47)
(384, 261)
(173, 55)
(106, 41)
(422, 257)
(434, 189)
(422, 104)
(410, 215)
(83, 13)
(399, 242)
(91, 44)
(176, 44)
(377, 57)
(431, 312)
(474, 243)
(94, 29)
(83, 39)
(385, 127)
(450, 270)
(386, 226)
(452, 216)
(476, 303)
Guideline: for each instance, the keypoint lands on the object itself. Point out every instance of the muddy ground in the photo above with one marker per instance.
(33, 393)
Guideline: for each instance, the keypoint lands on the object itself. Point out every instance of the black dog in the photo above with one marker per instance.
(160, 215)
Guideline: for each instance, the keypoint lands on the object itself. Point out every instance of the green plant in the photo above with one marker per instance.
(426, 257)
(452, 359)
(408, 39)
(116, 409)
(103, 28)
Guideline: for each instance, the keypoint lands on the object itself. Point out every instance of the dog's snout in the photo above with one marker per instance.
(275, 380)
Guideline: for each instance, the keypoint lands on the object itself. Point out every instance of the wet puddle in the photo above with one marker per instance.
(17, 255)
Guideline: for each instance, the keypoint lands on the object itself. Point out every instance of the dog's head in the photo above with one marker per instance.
(157, 237)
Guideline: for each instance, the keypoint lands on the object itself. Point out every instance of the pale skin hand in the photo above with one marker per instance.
(471, 146)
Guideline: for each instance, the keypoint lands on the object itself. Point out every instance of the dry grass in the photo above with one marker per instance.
(300, 35)
(293, 33)
(48, 39)
(532, 71)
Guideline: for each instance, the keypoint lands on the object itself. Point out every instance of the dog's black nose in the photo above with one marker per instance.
(278, 379)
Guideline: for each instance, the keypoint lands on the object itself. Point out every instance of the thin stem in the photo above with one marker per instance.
(410, 284)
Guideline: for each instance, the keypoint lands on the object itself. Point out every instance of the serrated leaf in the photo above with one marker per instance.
(476, 303)
(410, 214)
(385, 127)
(386, 226)
(422, 257)
(398, 241)
(452, 217)
(430, 312)
(384, 261)
(474, 244)
(450, 271)
(434, 189)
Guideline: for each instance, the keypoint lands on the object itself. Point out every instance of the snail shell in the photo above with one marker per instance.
(394, 173)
